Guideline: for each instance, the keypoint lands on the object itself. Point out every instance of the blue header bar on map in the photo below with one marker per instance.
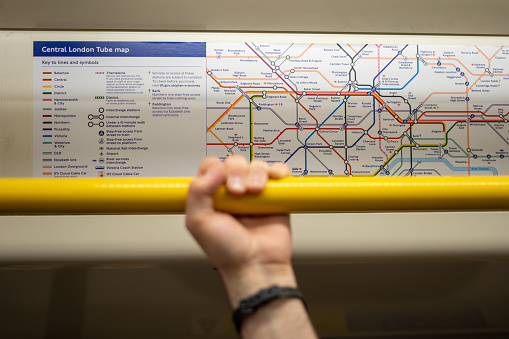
(118, 49)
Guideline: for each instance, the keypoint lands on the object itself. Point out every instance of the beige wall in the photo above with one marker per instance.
(101, 238)
(143, 276)
(473, 17)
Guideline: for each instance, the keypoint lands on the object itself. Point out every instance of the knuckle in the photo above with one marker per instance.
(193, 186)
(196, 188)
(259, 163)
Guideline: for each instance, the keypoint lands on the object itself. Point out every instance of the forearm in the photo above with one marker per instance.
(251, 253)
(280, 318)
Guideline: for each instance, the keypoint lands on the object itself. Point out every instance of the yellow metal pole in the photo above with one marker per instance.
(294, 195)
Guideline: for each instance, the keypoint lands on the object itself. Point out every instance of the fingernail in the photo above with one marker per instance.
(236, 184)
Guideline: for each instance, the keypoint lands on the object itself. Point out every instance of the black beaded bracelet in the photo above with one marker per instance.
(250, 304)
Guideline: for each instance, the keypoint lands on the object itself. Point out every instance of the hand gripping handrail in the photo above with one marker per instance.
(289, 195)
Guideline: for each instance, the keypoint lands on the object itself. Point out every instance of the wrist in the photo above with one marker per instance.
(249, 306)
(245, 281)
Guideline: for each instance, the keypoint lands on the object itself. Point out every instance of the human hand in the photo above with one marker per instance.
(250, 252)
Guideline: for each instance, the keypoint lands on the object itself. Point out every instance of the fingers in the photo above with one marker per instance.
(239, 177)
(245, 178)
(237, 170)
(279, 171)
(211, 175)
(257, 176)
(251, 178)
(206, 164)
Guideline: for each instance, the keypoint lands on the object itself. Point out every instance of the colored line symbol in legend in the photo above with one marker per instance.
(46, 87)
(46, 130)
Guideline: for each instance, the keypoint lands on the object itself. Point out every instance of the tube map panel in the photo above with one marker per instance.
(155, 109)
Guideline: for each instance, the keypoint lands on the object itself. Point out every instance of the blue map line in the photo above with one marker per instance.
(303, 147)
(374, 110)
(383, 69)
(306, 141)
(399, 89)
(291, 155)
(447, 163)
(341, 104)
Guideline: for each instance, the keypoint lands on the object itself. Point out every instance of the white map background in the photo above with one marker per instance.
(368, 110)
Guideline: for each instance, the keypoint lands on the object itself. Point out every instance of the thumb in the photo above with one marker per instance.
(211, 176)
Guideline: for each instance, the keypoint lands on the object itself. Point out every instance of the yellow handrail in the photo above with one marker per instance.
(314, 194)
